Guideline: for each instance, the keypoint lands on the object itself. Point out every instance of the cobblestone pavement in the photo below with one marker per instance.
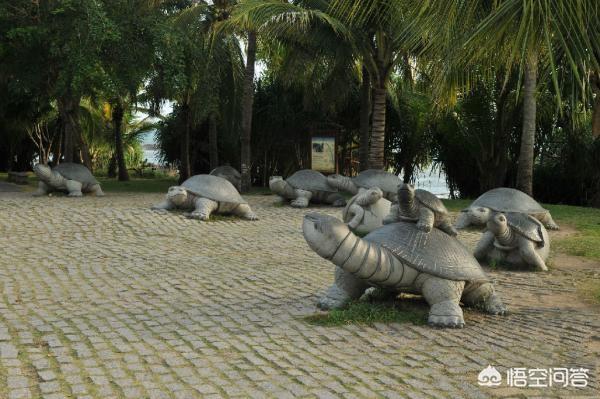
(102, 298)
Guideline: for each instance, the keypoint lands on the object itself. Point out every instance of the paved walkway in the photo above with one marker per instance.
(102, 298)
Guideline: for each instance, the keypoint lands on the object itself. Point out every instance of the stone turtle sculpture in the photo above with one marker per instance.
(306, 186)
(401, 258)
(229, 173)
(506, 200)
(366, 210)
(514, 238)
(72, 178)
(205, 195)
(386, 181)
(420, 207)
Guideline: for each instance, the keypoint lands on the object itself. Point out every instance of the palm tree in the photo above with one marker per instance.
(528, 36)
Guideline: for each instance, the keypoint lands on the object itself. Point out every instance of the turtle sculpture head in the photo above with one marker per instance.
(497, 224)
(406, 192)
(177, 195)
(370, 196)
(343, 183)
(281, 187)
(324, 233)
(477, 216)
(44, 172)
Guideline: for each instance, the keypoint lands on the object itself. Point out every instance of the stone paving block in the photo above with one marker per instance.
(132, 303)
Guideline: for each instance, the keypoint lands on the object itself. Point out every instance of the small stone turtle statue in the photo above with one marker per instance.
(514, 238)
(306, 186)
(72, 178)
(386, 181)
(401, 258)
(230, 173)
(205, 195)
(506, 200)
(366, 210)
(422, 207)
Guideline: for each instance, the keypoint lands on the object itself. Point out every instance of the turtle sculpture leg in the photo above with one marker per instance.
(302, 199)
(393, 216)
(166, 205)
(203, 209)
(529, 254)
(548, 222)
(244, 211)
(335, 199)
(484, 297)
(426, 219)
(358, 213)
(345, 288)
(74, 188)
(447, 228)
(43, 189)
(97, 190)
(443, 297)
(484, 246)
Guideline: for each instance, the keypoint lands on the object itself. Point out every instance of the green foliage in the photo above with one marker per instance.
(586, 221)
(137, 185)
(369, 313)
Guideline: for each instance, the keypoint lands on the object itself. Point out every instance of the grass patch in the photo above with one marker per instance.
(457, 205)
(586, 242)
(369, 313)
(137, 185)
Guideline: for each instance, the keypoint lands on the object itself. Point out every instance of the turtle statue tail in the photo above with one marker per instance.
(281, 187)
(333, 240)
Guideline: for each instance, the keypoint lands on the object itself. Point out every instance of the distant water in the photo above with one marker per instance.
(434, 181)
(150, 148)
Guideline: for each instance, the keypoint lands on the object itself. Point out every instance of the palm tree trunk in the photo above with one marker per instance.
(377, 148)
(118, 112)
(85, 152)
(595, 83)
(525, 166)
(365, 113)
(213, 148)
(247, 103)
(68, 107)
(186, 168)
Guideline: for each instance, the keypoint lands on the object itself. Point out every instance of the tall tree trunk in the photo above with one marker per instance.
(595, 83)
(365, 113)
(377, 148)
(117, 117)
(525, 166)
(247, 103)
(68, 108)
(85, 151)
(186, 166)
(213, 148)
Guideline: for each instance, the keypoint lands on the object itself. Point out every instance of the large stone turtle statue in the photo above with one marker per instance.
(386, 181)
(420, 207)
(366, 210)
(401, 258)
(230, 173)
(505, 200)
(514, 238)
(306, 186)
(205, 195)
(72, 178)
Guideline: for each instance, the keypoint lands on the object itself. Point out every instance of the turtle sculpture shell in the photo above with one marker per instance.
(526, 226)
(226, 170)
(310, 180)
(505, 199)
(214, 188)
(377, 178)
(434, 253)
(75, 171)
(430, 201)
